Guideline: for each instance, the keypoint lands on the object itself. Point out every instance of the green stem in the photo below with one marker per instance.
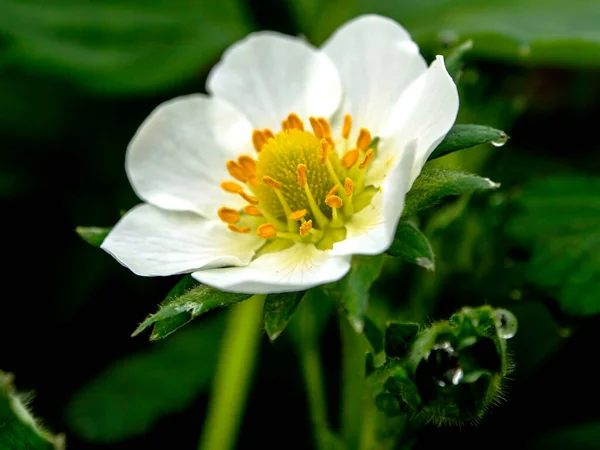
(313, 376)
(239, 353)
(353, 383)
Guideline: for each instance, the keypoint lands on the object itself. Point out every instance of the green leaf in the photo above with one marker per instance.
(352, 291)
(120, 47)
(93, 235)
(130, 395)
(433, 185)
(278, 312)
(399, 337)
(532, 32)
(373, 335)
(412, 245)
(454, 61)
(19, 430)
(559, 218)
(186, 301)
(463, 136)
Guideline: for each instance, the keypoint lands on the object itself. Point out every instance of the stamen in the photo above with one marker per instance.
(235, 229)
(347, 127)
(367, 159)
(348, 187)
(268, 134)
(314, 208)
(295, 122)
(228, 215)
(325, 147)
(297, 215)
(249, 198)
(316, 126)
(364, 139)
(305, 227)
(231, 187)
(249, 165)
(331, 141)
(350, 158)
(271, 182)
(324, 126)
(251, 210)
(237, 171)
(285, 125)
(258, 140)
(301, 171)
(334, 201)
(266, 230)
(333, 190)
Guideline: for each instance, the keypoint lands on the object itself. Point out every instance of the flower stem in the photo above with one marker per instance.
(312, 371)
(239, 353)
(353, 383)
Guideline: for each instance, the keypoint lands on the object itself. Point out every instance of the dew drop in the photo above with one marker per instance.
(501, 141)
(506, 323)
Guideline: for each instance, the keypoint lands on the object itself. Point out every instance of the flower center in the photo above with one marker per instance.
(301, 188)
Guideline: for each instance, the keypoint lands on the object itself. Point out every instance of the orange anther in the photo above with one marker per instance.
(249, 164)
(324, 126)
(348, 187)
(325, 147)
(301, 171)
(349, 158)
(285, 125)
(367, 159)
(258, 140)
(268, 134)
(333, 201)
(316, 126)
(333, 190)
(347, 127)
(235, 229)
(251, 210)
(237, 171)
(295, 122)
(364, 139)
(297, 215)
(266, 230)
(249, 198)
(232, 187)
(305, 227)
(271, 182)
(228, 215)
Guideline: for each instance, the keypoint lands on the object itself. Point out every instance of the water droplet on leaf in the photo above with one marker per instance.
(506, 323)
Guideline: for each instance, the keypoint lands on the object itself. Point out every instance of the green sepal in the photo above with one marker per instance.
(278, 311)
(186, 301)
(19, 430)
(463, 136)
(433, 185)
(399, 337)
(412, 245)
(93, 235)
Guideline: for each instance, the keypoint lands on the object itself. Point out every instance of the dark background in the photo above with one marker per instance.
(68, 309)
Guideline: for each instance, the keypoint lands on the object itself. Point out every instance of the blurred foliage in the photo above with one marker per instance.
(78, 77)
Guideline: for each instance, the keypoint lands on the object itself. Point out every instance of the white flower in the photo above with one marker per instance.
(273, 181)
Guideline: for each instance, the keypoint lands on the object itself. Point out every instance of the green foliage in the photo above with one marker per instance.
(559, 218)
(540, 32)
(278, 312)
(434, 184)
(120, 47)
(449, 372)
(352, 291)
(412, 245)
(186, 301)
(19, 430)
(454, 61)
(130, 395)
(463, 136)
(93, 235)
(584, 436)
(373, 335)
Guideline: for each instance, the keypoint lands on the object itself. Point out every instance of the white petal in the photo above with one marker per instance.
(294, 269)
(371, 231)
(377, 61)
(153, 242)
(177, 158)
(269, 75)
(426, 111)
